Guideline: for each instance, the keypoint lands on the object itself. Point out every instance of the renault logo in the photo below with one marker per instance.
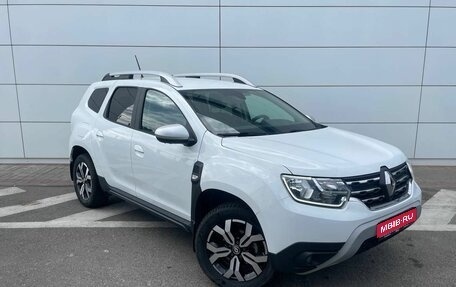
(387, 182)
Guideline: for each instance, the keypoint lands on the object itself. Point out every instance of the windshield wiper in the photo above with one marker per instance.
(296, 131)
(243, 134)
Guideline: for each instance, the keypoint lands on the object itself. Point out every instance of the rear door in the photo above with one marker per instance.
(113, 139)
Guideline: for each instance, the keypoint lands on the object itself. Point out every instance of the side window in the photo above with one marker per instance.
(159, 110)
(97, 98)
(120, 108)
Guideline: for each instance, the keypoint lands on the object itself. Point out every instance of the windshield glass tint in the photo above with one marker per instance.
(237, 112)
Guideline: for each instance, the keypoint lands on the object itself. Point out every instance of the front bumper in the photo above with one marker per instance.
(362, 239)
(302, 257)
(304, 239)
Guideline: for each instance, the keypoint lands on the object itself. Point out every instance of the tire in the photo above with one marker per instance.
(86, 184)
(242, 253)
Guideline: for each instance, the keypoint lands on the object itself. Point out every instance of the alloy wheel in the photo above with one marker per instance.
(237, 251)
(84, 181)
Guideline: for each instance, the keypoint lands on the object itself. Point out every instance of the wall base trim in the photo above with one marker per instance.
(433, 162)
(416, 161)
(34, 161)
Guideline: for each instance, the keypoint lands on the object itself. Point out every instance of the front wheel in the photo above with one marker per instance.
(231, 247)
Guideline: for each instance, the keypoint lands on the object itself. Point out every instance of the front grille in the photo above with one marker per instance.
(367, 188)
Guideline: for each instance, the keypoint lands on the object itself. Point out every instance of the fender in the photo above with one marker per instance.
(250, 180)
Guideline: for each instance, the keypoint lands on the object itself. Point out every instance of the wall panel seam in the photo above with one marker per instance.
(36, 122)
(354, 86)
(323, 6)
(335, 86)
(348, 123)
(15, 79)
(227, 46)
(443, 7)
(390, 123)
(115, 5)
(258, 85)
(220, 35)
(422, 79)
(225, 6)
(119, 46)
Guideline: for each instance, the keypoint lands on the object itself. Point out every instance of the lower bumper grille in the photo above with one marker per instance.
(370, 191)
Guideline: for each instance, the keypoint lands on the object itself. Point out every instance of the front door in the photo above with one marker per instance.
(162, 171)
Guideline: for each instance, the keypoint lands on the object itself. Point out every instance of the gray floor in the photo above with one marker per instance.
(34, 174)
(164, 256)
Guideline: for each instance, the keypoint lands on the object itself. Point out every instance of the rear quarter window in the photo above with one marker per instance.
(97, 98)
(121, 105)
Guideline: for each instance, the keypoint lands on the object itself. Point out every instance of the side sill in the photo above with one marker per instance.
(185, 224)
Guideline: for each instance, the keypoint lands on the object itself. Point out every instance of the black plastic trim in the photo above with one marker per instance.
(137, 115)
(185, 224)
(109, 77)
(103, 184)
(374, 174)
(304, 256)
(71, 164)
(196, 190)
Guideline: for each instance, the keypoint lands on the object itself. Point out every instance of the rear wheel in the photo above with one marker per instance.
(86, 183)
(231, 247)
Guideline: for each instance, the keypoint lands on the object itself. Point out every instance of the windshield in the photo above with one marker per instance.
(239, 112)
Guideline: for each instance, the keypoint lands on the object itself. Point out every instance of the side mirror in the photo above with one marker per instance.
(312, 118)
(174, 134)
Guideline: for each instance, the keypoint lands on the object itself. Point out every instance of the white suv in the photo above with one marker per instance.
(261, 186)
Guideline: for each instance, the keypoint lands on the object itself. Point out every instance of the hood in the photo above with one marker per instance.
(326, 152)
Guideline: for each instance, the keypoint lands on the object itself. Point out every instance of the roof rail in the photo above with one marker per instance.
(164, 77)
(236, 78)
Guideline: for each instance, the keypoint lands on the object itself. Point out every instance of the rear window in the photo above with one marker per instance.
(121, 105)
(97, 98)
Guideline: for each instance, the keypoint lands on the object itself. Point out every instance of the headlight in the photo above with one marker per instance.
(328, 192)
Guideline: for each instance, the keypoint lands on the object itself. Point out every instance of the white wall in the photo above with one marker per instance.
(384, 68)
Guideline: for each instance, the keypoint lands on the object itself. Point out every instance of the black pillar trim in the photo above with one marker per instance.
(196, 190)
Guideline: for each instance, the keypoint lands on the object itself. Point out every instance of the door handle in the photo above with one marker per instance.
(139, 149)
(99, 134)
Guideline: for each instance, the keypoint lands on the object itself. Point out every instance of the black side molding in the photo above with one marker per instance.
(185, 224)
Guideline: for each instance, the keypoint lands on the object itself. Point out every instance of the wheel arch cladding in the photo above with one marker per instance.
(209, 199)
(75, 152)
